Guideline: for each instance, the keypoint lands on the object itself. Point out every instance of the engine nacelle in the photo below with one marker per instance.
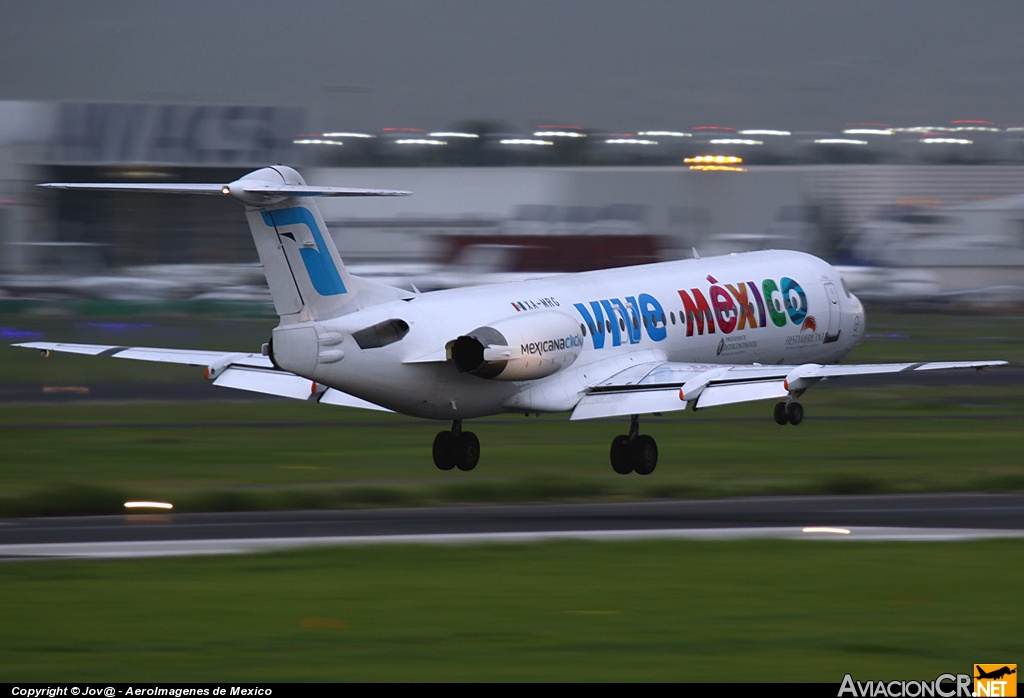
(522, 347)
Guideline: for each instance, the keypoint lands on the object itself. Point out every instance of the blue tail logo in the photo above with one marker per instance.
(319, 265)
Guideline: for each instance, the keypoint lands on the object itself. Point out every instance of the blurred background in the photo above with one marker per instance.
(536, 138)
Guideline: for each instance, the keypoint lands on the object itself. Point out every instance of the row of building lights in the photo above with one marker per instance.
(929, 135)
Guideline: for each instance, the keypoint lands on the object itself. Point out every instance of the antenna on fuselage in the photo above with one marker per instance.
(695, 255)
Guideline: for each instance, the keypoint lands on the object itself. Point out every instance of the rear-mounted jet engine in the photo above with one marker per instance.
(518, 348)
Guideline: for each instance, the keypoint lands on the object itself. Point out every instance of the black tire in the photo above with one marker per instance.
(795, 412)
(781, 418)
(644, 454)
(467, 451)
(621, 461)
(444, 450)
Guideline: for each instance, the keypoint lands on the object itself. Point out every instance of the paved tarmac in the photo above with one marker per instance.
(893, 517)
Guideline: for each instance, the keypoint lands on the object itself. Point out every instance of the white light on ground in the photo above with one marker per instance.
(764, 132)
(452, 134)
(955, 141)
(347, 134)
(734, 141)
(148, 505)
(669, 134)
(632, 141)
(419, 141)
(840, 141)
(524, 141)
(826, 529)
(869, 131)
(560, 134)
(315, 141)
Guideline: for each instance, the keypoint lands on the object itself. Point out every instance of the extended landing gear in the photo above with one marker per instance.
(789, 413)
(634, 452)
(456, 448)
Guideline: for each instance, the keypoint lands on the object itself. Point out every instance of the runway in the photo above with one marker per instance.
(892, 517)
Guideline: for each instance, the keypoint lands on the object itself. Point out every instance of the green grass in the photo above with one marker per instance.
(87, 458)
(651, 611)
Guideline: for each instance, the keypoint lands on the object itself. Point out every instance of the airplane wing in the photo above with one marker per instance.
(668, 386)
(252, 372)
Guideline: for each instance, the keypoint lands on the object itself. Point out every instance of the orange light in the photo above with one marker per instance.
(718, 168)
(714, 159)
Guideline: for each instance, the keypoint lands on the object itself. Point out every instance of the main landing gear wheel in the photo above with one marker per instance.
(791, 413)
(621, 462)
(467, 451)
(795, 412)
(644, 454)
(456, 448)
(444, 450)
(634, 452)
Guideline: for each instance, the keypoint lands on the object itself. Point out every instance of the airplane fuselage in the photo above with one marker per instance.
(769, 307)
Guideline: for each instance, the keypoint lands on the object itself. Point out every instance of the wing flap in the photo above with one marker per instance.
(598, 405)
(730, 393)
(336, 397)
(268, 382)
(284, 384)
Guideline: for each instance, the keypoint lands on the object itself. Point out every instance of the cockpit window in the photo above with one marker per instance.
(381, 334)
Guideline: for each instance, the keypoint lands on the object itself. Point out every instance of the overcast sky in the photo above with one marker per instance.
(800, 64)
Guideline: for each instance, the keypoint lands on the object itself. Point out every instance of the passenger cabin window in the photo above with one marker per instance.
(381, 334)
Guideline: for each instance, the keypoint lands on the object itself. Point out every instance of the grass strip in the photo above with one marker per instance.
(637, 611)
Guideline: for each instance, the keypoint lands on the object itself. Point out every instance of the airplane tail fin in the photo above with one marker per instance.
(307, 278)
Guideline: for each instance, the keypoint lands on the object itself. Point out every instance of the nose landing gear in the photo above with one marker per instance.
(456, 448)
(634, 452)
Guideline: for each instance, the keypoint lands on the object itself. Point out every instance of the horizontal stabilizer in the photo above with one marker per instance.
(250, 191)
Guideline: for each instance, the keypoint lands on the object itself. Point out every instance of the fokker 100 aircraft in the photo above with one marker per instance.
(618, 342)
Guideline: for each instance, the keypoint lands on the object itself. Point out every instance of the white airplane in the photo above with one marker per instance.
(618, 342)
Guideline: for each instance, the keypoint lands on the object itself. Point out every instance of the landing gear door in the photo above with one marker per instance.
(833, 313)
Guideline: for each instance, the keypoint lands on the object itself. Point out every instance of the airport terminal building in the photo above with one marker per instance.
(465, 220)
